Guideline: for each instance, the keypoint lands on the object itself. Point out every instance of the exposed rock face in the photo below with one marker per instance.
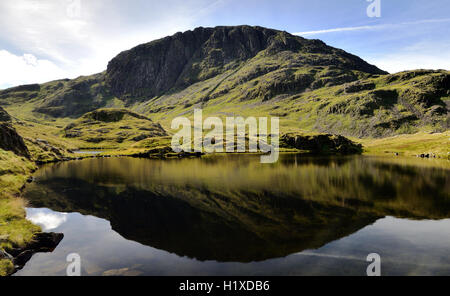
(10, 140)
(182, 59)
(4, 116)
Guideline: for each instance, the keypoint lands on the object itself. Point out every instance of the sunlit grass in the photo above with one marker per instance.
(15, 230)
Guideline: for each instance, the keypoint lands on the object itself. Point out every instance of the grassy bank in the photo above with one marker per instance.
(15, 230)
(434, 144)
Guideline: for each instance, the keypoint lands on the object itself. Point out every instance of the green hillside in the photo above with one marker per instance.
(248, 71)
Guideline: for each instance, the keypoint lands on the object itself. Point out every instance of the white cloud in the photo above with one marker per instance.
(425, 54)
(372, 27)
(67, 44)
(48, 221)
(16, 70)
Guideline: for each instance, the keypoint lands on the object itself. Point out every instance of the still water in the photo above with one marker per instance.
(231, 215)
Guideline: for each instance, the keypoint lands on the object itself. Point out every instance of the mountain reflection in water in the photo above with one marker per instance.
(231, 208)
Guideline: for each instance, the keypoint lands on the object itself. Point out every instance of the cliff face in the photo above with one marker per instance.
(178, 61)
(4, 116)
(9, 138)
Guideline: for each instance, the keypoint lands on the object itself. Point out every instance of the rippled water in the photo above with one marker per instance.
(231, 215)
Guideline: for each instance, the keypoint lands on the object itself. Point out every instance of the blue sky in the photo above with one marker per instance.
(42, 40)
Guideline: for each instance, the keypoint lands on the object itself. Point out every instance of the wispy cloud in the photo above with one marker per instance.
(66, 46)
(372, 27)
(26, 69)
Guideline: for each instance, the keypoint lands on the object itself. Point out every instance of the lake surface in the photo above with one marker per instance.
(231, 215)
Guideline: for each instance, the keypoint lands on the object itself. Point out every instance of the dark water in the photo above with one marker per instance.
(231, 215)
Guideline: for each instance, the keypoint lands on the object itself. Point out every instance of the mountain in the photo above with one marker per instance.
(249, 71)
(179, 61)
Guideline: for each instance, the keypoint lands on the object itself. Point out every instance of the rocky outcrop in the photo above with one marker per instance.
(358, 86)
(43, 242)
(4, 116)
(321, 144)
(112, 115)
(10, 140)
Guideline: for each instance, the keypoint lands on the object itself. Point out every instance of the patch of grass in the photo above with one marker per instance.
(6, 267)
(15, 230)
(14, 171)
(410, 145)
(111, 128)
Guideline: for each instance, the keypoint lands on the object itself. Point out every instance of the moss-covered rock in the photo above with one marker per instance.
(113, 126)
(321, 144)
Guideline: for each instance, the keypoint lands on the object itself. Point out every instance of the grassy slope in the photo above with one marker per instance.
(402, 103)
(15, 230)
